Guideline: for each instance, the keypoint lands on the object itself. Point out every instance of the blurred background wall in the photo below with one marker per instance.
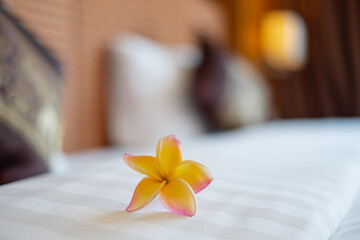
(79, 32)
(326, 84)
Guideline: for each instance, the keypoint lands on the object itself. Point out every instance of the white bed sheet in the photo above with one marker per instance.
(349, 228)
(282, 180)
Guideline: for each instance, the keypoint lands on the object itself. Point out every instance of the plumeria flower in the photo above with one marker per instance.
(168, 175)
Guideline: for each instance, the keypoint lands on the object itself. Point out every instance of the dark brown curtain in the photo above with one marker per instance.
(329, 85)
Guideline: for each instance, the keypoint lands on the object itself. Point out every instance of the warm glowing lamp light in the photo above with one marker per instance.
(283, 40)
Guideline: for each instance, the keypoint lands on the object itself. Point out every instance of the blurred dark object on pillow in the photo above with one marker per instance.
(209, 83)
(228, 90)
(30, 91)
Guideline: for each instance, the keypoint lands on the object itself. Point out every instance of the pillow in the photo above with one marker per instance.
(228, 90)
(30, 89)
(148, 91)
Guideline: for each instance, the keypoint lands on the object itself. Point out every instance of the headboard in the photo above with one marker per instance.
(79, 32)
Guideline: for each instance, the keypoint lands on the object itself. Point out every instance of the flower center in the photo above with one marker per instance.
(166, 180)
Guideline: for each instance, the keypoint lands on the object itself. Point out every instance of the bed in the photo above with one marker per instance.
(280, 180)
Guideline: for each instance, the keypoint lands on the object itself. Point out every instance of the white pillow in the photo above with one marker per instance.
(148, 91)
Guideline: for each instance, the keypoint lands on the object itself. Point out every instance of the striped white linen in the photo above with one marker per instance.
(283, 180)
(349, 228)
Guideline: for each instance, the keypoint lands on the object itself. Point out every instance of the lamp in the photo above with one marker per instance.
(283, 40)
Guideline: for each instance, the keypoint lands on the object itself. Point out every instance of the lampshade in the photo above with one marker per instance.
(283, 40)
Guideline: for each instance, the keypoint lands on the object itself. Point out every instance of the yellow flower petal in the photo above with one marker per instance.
(169, 153)
(178, 197)
(145, 192)
(147, 165)
(195, 174)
